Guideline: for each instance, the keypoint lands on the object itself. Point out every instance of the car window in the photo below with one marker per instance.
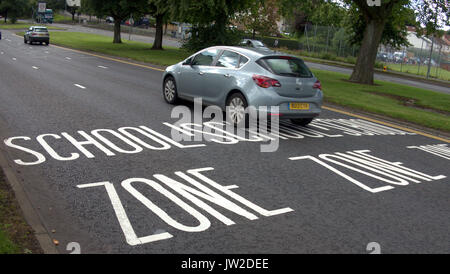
(258, 44)
(286, 66)
(228, 59)
(205, 58)
(242, 61)
(40, 30)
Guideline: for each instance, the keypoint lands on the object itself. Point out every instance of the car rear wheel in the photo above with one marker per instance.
(302, 122)
(170, 90)
(236, 110)
(25, 40)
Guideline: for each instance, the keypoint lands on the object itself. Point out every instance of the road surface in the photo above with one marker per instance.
(90, 141)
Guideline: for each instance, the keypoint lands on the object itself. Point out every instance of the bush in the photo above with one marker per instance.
(204, 37)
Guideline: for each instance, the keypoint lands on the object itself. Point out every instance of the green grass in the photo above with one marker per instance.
(128, 49)
(369, 98)
(412, 69)
(24, 26)
(60, 18)
(6, 245)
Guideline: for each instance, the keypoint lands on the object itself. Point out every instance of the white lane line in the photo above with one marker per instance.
(46, 51)
(14, 58)
(8, 40)
(68, 58)
(80, 86)
(103, 67)
(35, 67)
(2, 52)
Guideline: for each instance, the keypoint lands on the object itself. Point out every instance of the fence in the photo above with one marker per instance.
(431, 59)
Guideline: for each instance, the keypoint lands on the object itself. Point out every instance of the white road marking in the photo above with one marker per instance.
(35, 67)
(14, 58)
(80, 86)
(8, 40)
(46, 51)
(2, 52)
(102, 67)
(68, 58)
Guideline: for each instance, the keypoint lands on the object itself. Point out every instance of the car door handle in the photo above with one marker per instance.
(227, 75)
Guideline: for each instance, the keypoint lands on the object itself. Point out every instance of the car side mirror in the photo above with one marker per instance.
(187, 62)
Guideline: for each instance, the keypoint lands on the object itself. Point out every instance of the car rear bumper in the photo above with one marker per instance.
(266, 103)
(40, 39)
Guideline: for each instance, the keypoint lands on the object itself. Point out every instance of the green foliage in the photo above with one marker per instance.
(210, 20)
(261, 17)
(205, 36)
(394, 33)
(13, 9)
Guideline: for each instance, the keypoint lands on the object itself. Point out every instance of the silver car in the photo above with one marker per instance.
(234, 78)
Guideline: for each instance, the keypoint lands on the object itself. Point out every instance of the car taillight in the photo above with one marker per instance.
(317, 85)
(265, 82)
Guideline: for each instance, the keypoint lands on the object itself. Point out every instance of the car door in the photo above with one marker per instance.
(222, 77)
(194, 77)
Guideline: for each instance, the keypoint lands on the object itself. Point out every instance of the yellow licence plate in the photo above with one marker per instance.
(301, 106)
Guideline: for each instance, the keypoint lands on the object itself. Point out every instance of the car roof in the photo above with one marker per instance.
(253, 53)
(41, 27)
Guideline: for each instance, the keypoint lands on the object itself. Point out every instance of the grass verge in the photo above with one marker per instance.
(422, 107)
(19, 26)
(16, 237)
(127, 49)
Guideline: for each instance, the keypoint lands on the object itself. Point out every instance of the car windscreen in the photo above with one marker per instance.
(40, 30)
(285, 66)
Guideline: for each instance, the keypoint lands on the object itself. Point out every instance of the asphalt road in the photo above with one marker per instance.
(107, 196)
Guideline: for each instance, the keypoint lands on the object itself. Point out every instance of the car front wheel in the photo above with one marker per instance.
(170, 90)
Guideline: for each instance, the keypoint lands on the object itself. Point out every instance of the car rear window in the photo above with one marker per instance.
(40, 30)
(286, 66)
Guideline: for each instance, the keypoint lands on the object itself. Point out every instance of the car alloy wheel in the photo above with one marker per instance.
(236, 110)
(170, 90)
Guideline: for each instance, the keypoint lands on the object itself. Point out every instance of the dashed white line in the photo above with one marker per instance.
(2, 52)
(103, 67)
(80, 86)
(8, 40)
(14, 58)
(68, 58)
(35, 67)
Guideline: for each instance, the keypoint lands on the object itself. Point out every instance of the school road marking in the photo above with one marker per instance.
(387, 124)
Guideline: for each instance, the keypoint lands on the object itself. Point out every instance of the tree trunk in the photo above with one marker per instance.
(6, 16)
(117, 37)
(157, 44)
(364, 68)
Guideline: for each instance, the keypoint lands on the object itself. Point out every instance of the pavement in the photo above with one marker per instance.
(89, 141)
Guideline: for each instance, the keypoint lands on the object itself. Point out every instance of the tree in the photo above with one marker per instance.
(119, 10)
(386, 24)
(13, 9)
(316, 12)
(261, 16)
(210, 20)
(160, 10)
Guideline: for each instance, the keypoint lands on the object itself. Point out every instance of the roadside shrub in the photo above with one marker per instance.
(207, 36)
